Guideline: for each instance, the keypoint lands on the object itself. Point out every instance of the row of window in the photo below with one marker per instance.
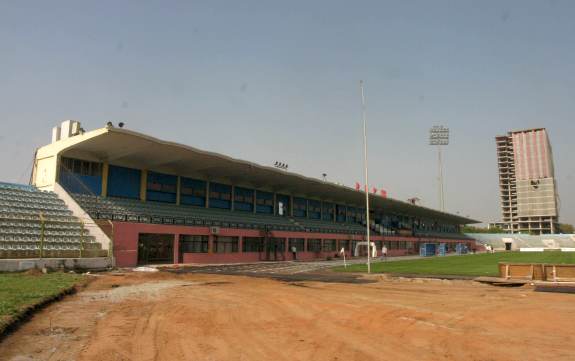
(199, 244)
(124, 183)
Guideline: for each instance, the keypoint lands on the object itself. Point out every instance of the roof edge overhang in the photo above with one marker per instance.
(378, 201)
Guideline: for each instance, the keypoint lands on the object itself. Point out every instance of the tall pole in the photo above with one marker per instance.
(366, 176)
(440, 179)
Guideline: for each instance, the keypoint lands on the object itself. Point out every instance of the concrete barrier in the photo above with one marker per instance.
(537, 272)
(17, 265)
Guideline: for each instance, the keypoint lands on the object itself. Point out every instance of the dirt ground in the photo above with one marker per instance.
(171, 317)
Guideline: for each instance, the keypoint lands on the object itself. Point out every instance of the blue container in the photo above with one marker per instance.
(427, 249)
(442, 249)
(461, 248)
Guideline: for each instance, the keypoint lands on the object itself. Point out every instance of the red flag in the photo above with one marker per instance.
(374, 190)
(357, 186)
(383, 193)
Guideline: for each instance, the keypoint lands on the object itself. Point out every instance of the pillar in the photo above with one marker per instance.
(176, 248)
(178, 190)
(105, 173)
(211, 244)
(143, 184)
(207, 194)
(241, 244)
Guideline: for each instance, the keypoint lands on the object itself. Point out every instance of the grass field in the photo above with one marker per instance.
(467, 265)
(20, 290)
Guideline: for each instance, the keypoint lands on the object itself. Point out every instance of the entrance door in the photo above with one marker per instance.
(274, 249)
(155, 248)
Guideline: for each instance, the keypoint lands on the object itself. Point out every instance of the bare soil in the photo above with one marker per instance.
(164, 316)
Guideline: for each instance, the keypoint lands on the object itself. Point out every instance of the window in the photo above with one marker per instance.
(346, 244)
(253, 244)
(329, 245)
(81, 167)
(300, 207)
(314, 209)
(193, 244)
(340, 211)
(264, 202)
(225, 244)
(243, 199)
(328, 210)
(193, 192)
(298, 243)
(220, 196)
(314, 245)
(161, 187)
(79, 176)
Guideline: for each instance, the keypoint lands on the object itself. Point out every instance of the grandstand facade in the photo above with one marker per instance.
(163, 202)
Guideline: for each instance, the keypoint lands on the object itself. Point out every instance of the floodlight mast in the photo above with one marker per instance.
(366, 177)
(438, 136)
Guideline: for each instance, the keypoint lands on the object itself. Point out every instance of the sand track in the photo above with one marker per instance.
(212, 317)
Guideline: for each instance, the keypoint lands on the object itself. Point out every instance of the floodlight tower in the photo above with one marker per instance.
(438, 136)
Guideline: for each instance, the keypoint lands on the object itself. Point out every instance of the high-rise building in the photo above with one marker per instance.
(527, 182)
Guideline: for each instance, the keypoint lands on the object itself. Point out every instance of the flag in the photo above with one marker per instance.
(357, 186)
(383, 193)
(374, 190)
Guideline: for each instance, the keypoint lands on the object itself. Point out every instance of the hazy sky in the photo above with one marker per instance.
(278, 80)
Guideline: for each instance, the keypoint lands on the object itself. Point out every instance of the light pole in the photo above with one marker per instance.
(438, 136)
(366, 176)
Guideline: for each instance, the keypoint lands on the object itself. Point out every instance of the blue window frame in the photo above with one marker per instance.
(314, 209)
(192, 192)
(220, 196)
(243, 199)
(264, 202)
(161, 187)
(300, 207)
(124, 182)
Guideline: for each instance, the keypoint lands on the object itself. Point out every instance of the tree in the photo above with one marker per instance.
(472, 229)
(566, 228)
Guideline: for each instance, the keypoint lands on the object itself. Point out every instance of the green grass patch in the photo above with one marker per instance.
(484, 264)
(20, 291)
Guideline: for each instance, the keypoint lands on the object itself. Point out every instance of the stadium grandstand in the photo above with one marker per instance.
(149, 201)
(525, 242)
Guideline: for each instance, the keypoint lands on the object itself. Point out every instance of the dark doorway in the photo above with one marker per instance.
(274, 249)
(508, 246)
(155, 248)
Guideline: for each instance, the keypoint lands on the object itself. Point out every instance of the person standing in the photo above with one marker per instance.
(384, 252)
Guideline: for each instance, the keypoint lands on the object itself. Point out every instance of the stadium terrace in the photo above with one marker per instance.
(162, 202)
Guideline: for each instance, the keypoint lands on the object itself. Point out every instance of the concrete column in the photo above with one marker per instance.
(255, 200)
(143, 184)
(211, 244)
(176, 248)
(240, 244)
(178, 190)
(105, 173)
(207, 194)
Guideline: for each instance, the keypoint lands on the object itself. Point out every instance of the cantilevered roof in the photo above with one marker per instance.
(132, 149)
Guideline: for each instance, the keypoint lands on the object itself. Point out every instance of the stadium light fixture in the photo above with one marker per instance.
(280, 165)
(439, 136)
(366, 174)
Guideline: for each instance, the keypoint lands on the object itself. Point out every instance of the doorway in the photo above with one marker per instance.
(155, 248)
(274, 249)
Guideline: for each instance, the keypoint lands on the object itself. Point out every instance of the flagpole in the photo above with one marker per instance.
(366, 176)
